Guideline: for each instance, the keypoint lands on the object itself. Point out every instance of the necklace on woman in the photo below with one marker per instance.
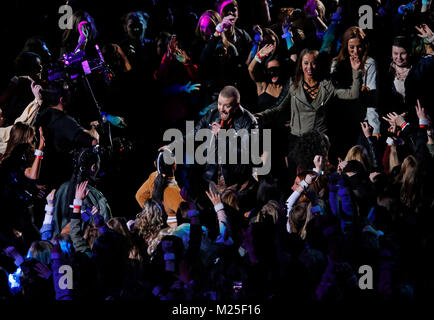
(312, 91)
(401, 73)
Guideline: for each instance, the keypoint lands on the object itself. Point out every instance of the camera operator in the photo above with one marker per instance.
(62, 132)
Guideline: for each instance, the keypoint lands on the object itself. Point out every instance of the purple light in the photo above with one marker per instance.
(74, 76)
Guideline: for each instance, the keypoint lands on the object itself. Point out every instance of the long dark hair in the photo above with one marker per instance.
(298, 75)
(164, 172)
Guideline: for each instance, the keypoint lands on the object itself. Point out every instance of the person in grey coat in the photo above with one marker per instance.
(308, 97)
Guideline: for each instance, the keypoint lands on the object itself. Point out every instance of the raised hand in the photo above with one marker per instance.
(191, 87)
(310, 8)
(367, 129)
(42, 270)
(424, 31)
(342, 164)
(310, 178)
(41, 139)
(286, 26)
(50, 197)
(172, 46)
(226, 23)
(266, 50)
(421, 114)
(319, 163)
(80, 192)
(36, 89)
(394, 119)
(258, 33)
(181, 56)
(214, 197)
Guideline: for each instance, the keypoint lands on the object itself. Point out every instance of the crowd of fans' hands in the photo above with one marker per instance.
(395, 119)
(173, 51)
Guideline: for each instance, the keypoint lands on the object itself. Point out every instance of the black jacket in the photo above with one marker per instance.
(232, 173)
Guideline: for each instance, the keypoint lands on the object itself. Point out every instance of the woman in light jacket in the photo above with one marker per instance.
(308, 97)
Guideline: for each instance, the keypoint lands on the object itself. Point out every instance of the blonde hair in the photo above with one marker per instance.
(20, 133)
(408, 178)
(299, 218)
(360, 154)
(271, 208)
(230, 198)
(150, 221)
(213, 16)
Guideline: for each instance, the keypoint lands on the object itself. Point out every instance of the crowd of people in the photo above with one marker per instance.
(96, 205)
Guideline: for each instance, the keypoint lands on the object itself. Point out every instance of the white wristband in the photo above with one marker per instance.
(423, 122)
(49, 208)
(304, 184)
(169, 256)
(48, 218)
(77, 202)
(218, 207)
(219, 28)
(320, 172)
(390, 141)
(171, 220)
(39, 153)
(257, 59)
